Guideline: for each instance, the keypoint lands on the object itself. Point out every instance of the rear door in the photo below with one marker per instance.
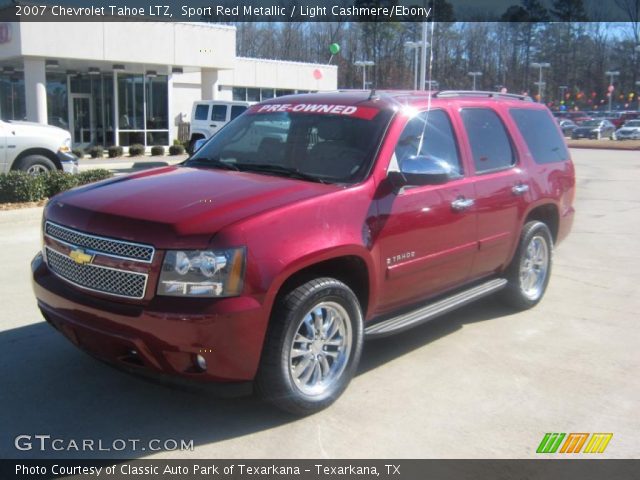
(428, 235)
(501, 187)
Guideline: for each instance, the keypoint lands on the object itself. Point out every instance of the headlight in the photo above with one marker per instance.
(66, 145)
(202, 273)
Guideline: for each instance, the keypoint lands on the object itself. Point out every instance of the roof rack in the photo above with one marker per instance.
(479, 93)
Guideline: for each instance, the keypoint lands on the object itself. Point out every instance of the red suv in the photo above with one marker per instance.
(305, 225)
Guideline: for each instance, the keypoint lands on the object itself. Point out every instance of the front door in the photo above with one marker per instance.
(82, 123)
(428, 235)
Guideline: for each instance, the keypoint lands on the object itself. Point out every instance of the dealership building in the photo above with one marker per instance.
(120, 83)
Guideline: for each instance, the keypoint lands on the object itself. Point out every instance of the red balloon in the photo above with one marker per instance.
(317, 74)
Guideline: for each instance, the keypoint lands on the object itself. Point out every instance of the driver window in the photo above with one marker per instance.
(429, 134)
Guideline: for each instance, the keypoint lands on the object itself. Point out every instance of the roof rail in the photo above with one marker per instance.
(479, 93)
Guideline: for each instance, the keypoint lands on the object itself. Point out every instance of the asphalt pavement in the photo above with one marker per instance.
(482, 382)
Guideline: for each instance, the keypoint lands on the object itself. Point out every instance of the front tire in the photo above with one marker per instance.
(313, 347)
(35, 164)
(529, 271)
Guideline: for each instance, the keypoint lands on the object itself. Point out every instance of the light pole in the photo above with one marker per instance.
(364, 64)
(611, 74)
(563, 88)
(415, 46)
(474, 75)
(638, 85)
(540, 83)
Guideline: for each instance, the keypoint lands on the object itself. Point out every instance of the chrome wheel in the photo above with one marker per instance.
(37, 169)
(534, 268)
(320, 348)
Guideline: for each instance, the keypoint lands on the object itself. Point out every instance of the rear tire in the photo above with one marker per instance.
(35, 164)
(529, 271)
(312, 348)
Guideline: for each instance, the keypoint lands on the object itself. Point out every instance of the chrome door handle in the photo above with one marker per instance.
(462, 204)
(520, 189)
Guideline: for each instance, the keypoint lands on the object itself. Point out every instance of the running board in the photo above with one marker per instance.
(429, 312)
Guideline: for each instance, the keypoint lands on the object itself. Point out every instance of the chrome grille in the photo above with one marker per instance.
(106, 246)
(96, 278)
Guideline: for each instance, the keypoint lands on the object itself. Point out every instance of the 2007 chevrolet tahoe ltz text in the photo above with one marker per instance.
(305, 225)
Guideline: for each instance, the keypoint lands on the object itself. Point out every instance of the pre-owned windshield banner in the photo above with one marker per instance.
(365, 113)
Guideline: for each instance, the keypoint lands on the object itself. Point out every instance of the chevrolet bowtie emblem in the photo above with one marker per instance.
(80, 256)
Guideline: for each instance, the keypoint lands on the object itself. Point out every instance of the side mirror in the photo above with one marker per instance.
(198, 144)
(418, 170)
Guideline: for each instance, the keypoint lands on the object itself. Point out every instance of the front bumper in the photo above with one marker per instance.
(158, 339)
(69, 162)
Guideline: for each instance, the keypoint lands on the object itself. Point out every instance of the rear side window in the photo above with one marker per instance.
(219, 113)
(490, 143)
(201, 112)
(237, 110)
(540, 134)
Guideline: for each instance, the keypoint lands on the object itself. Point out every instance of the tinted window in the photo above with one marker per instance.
(219, 113)
(202, 112)
(429, 134)
(540, 134)
(489, 141)
(237, 110)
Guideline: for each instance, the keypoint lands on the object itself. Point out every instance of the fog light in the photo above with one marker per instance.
(201, 362)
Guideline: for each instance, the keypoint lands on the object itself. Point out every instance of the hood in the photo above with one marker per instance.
(176, 206)
(36, 128)
(587, 129)
(629, 129)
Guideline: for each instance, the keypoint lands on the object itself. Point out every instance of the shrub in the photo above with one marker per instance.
(93, 175)
(176, 150)
(157, 151)
(97, 151)
(18, 186)
(177, 142)
(78, 152)
(21, 187)
(136, 150)
(57, 181)
(115, 151)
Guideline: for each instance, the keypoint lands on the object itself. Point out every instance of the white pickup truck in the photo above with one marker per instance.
(35, 148)
(209, 116)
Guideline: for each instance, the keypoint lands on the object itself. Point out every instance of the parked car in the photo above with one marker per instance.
(629, 131)
(35, 148)
(594, 129)
(567, 127)
(578, 117)
(209, 116)
(267, 267)
(620, 118)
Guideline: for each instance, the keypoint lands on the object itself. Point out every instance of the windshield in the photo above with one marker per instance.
(591, 123)
(298, 141)
(632, 123)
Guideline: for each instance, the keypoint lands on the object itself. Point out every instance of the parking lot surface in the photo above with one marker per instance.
(482, 382)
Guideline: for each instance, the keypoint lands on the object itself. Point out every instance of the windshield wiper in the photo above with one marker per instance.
(279, 170)
(214, 162)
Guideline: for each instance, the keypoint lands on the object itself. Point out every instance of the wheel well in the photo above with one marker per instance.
(350, 270)
(196, 136)
(37, 151)
(547, 214)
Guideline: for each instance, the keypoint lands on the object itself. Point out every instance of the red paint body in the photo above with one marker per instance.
(286, 226)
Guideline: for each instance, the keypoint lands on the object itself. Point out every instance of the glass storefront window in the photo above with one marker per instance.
(239, 94)
(267, 93)
(12, 99)
(157, 103)
(57, 100)
(253, 94)
(131, 102)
